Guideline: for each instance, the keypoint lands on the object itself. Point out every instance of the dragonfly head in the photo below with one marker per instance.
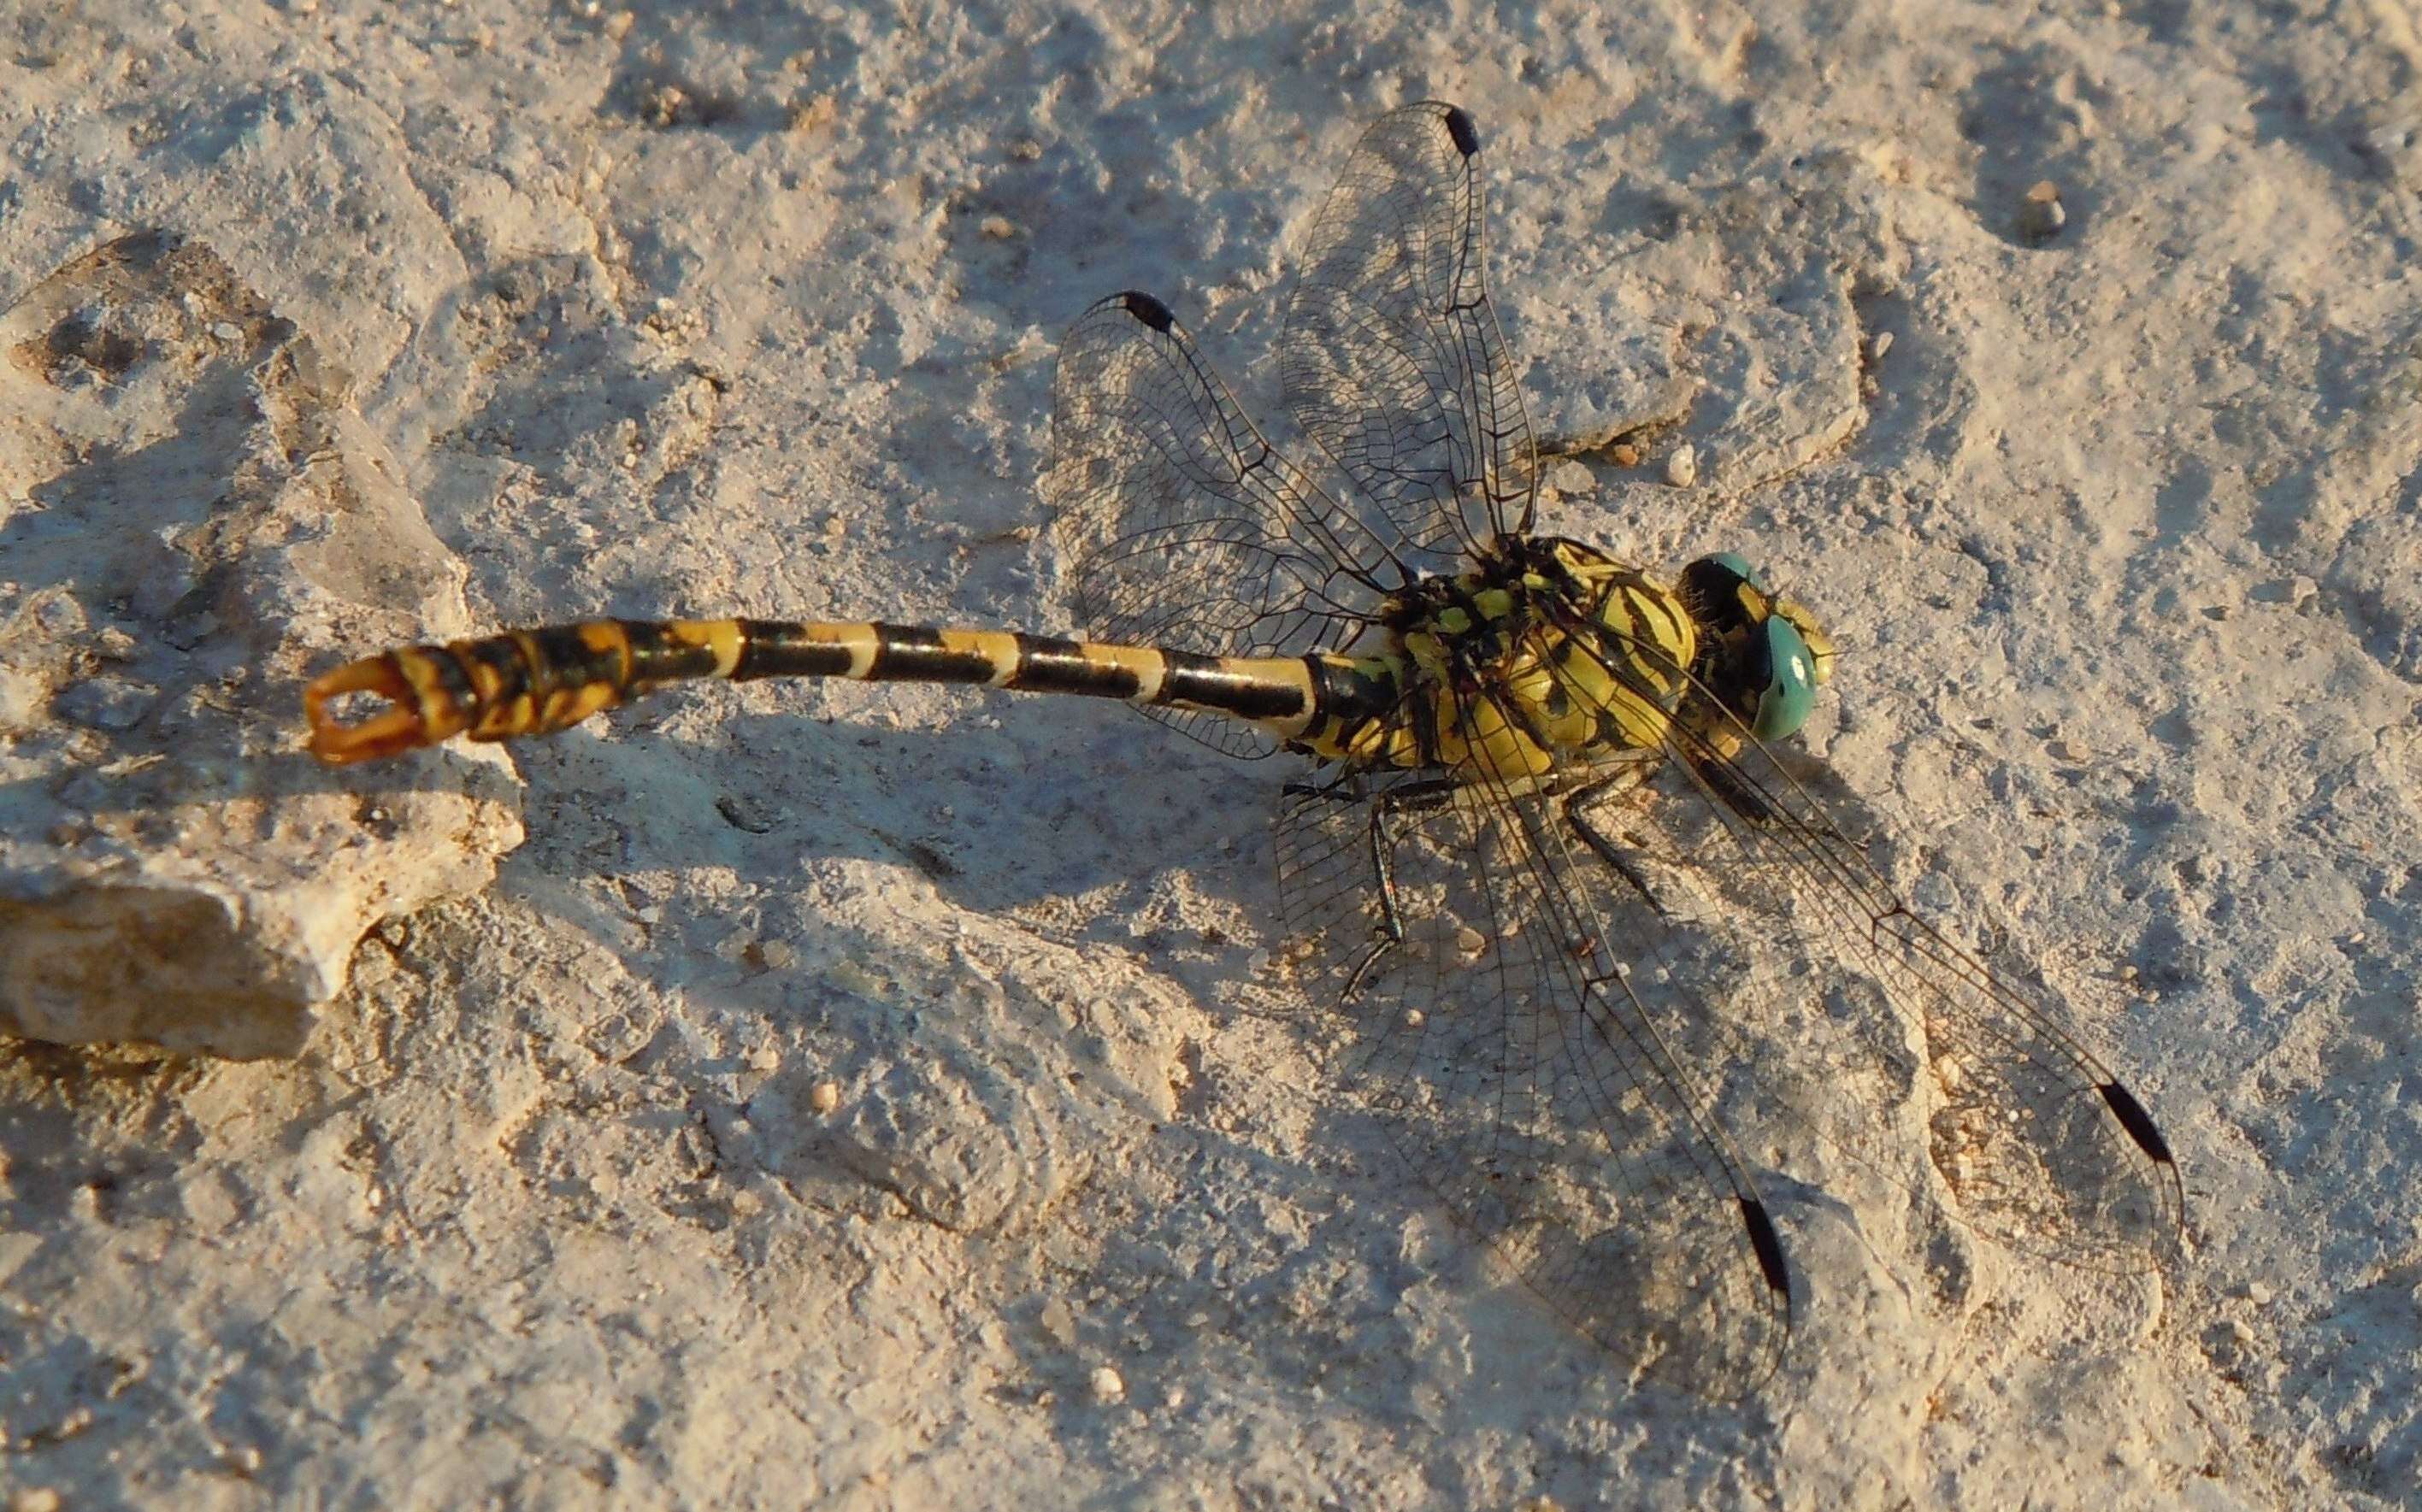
(1761, 654)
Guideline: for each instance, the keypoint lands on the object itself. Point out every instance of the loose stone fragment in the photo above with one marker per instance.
(169, 873)
(2040, 213)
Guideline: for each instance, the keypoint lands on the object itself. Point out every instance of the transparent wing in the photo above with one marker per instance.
(1520, 1077)
(1392, 360)
(2041, 1146)
(1185, 529)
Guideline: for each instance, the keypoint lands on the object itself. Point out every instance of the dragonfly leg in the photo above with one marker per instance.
(1413, 798)
(1724, 781)
(1576, 803)
(1713, 765)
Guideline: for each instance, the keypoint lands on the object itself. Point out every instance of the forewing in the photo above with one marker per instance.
(1184, 528)
(1392, 360)
(2041, 1146)
(1520, 1077)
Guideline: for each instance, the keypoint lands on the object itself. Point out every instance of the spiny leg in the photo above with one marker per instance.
(1416, 797)
(1576, 802)
(1711, 761)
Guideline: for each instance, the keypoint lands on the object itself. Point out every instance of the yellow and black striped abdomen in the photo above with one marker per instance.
(537, 681)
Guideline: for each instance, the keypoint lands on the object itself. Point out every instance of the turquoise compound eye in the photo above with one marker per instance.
(1791, 691)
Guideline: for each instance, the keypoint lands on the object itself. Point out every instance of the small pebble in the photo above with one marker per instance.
(1060, 1321)
(36, 1499)
(1470, 941)
(1624, 453)
(824, 1097)
(2042, 214)
(106, 702)
(1682, 466)
(2385, 142)
(59, 615)
(228, 331)
(998, 227)
(1572, 477)
(665, 106)
(1935, 894)
(812, 115)
(21, 697)
(1110, 1387)
(1878, 345)
(1415, 1018)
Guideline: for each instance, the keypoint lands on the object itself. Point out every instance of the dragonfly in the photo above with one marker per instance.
(1588, 938)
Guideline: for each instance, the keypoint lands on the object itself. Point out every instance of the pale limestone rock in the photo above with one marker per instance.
(198, 521)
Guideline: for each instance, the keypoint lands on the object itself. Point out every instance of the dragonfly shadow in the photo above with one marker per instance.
(1062, 819)
(1042, 801)
(1311, 1272)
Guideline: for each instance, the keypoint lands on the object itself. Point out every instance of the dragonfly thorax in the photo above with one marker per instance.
(1544, 654)
(1548, 654)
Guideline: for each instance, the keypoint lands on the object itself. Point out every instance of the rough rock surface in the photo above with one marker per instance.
(192, 508)
(839, 1081)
